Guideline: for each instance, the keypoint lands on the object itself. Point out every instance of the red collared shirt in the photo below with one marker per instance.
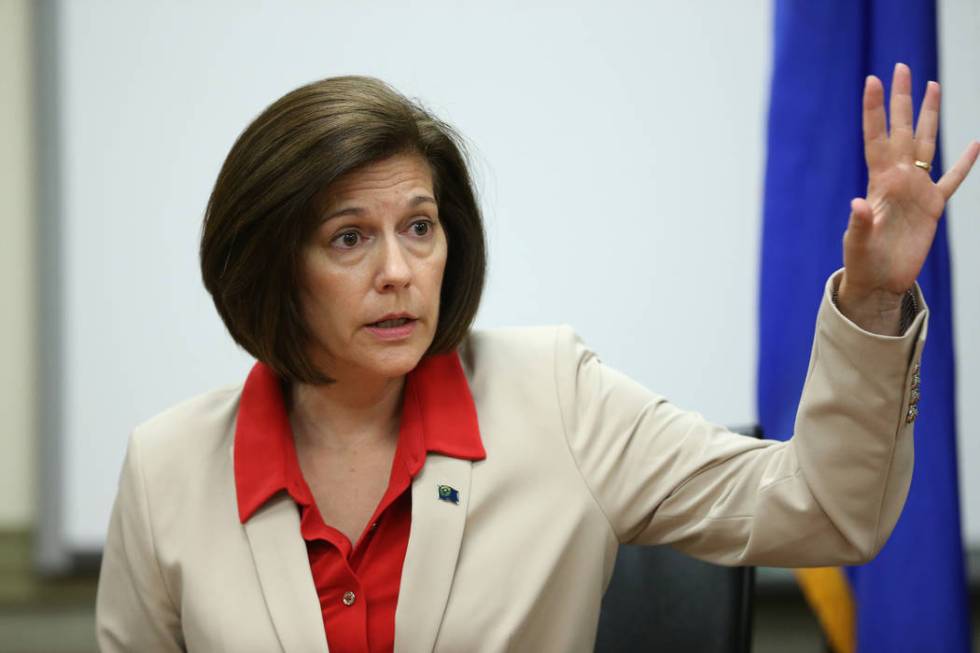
(358, 584)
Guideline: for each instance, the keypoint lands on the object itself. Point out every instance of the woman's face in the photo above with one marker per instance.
(372, 272)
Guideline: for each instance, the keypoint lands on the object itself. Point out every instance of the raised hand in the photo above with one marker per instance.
(890, 232)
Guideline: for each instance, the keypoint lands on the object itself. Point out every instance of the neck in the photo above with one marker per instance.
(347, 415)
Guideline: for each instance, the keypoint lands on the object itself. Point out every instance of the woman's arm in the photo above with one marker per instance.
(134, 608)
(830, 495)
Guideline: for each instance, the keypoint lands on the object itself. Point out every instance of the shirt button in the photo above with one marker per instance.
(348, 598)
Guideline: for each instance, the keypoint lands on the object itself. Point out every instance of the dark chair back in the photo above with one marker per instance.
(662, 601)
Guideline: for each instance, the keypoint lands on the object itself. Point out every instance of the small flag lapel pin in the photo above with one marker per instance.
(450, 494)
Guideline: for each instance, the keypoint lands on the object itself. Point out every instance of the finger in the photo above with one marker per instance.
(900, 110)
(858, 225)
(873, 122)
(955, 175)
(862, 217)
(928, 125)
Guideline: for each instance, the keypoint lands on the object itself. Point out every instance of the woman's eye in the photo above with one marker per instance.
(421, 228)
(347, 240)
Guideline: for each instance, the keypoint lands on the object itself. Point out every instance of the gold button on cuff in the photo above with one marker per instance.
(912, 414)
(348, 599)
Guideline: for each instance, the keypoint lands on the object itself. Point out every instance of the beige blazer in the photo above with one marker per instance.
(579, 459)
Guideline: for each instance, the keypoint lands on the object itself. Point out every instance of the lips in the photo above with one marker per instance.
(393, 328)
(389, 324)
(393, 320)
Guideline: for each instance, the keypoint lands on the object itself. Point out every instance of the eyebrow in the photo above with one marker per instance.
(356, 210)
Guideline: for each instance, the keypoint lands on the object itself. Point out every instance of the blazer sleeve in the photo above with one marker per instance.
(830, 495)
(134, 609)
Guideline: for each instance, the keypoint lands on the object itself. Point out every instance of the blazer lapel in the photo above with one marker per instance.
(433, 548)
(284, 573)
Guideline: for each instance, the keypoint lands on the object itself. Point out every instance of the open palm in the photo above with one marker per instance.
(890, 232)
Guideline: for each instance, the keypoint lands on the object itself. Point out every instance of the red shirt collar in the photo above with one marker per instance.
(438, 416)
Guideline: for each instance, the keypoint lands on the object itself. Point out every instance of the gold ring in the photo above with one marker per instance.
(925, 165)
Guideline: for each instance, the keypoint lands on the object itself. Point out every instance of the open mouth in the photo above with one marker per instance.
(392, 324)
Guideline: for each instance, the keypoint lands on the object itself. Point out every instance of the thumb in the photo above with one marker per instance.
(861, 218)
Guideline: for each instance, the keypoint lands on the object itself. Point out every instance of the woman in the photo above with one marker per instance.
(386, 478)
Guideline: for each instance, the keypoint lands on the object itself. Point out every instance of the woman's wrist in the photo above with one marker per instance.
(876, 311)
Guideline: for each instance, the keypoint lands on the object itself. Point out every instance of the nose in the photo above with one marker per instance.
(394, 268)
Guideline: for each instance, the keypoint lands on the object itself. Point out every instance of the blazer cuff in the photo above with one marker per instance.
(858, 337)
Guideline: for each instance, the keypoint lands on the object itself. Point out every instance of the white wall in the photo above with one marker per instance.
(594, 232)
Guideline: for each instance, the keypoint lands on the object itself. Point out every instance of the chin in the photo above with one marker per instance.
(393, 364)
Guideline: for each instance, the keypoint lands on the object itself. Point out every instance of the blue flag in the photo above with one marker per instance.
(913, 596)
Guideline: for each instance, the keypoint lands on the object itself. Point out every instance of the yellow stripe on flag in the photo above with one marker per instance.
(829, 594)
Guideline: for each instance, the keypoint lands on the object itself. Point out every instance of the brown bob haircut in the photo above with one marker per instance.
(262, 211)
